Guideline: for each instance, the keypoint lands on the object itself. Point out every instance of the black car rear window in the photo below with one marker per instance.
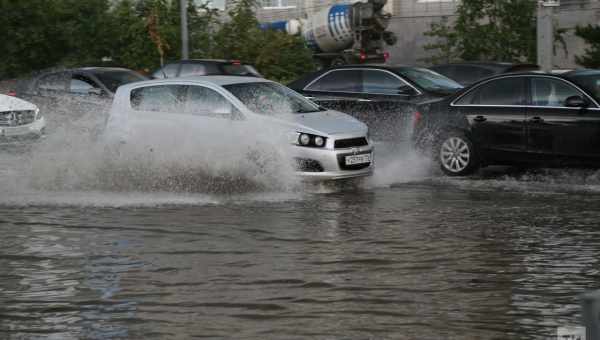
(239, 70)
(114, 78)
(590, 81)
(503, 91)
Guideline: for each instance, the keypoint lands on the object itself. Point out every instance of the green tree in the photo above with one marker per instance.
(237, 38)
(489, 30)
(203, 23)
(591, 35)
(276, 55)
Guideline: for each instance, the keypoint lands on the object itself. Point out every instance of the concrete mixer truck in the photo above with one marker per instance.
(344, 33)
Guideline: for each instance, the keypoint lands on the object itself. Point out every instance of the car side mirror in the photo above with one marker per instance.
(576, 101)
(406, 90)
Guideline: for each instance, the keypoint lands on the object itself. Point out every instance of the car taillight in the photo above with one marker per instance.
(12, 93)
(236, 62)
(386, 56)
(417, 118)
(362, 56)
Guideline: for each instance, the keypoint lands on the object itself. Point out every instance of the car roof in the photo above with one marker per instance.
(215, 80)
(192, 61)
(304, 80)
(565, 74)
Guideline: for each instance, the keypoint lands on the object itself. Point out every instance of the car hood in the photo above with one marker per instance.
(328, 122)
(9, 103)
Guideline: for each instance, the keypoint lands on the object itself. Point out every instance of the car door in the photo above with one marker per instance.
(496, 114)
(48, 91)
(557, 132)
(336, 89)
(386, 106)
(86, 96)
(188, 118)
(155, 118)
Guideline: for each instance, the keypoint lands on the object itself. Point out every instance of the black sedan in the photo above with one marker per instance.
(382, 96)
(515, 119)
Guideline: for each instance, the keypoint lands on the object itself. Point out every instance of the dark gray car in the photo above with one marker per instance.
(68, 95)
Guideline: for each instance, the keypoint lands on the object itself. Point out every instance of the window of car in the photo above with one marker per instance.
(271, 98)
(381, 82)
(158, 98)
(81, 85)
(192, 69)
(338, 81)
(53, 82)
(502, 91)
(590, 81)
(203, 101)
(429, 80)
(112, 79)
(239, 70)
(167, 71)
(551, 92)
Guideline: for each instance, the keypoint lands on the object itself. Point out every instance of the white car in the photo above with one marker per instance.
(19, 118)
(320, 143)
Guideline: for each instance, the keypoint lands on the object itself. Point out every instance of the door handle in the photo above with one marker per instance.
(479, 119)
(364, 100)
(536, 120)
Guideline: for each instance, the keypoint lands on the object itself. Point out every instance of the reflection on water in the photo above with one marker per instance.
(430, 259)
(407, 254)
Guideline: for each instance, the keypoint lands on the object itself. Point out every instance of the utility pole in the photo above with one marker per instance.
(545, 33)
(185, 48)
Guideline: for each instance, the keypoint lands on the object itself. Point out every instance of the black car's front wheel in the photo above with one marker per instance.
(457, 155)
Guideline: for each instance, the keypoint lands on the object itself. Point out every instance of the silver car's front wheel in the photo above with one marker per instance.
(457, 156)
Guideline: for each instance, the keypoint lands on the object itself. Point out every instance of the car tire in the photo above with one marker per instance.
(457, 155)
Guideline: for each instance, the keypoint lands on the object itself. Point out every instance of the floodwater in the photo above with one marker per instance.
(407, 254)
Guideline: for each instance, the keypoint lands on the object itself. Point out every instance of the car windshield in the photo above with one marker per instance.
(271, 98)
(112, 79)
(590, 81)
(430, 80)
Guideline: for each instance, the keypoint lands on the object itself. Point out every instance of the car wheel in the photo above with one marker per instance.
(457, 155)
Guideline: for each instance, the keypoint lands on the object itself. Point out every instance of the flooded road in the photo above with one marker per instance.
(497, 256)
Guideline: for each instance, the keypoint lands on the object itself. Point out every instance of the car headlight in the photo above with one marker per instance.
(305, 139)
(319, 141)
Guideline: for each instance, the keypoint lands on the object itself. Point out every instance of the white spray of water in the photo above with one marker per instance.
(73, 163)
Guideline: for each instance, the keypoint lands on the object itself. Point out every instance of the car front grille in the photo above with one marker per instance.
(350, 143)
(17, 118)
(308, 165)
(342, 162)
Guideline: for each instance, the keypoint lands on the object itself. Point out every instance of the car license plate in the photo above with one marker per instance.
(358, 159)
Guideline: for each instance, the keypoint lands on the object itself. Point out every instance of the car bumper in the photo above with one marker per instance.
(332, 163)
(33, 130)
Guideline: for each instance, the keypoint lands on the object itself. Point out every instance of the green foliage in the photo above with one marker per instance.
(276, 55)
(283, 57)
(445, 42)
(139, 34)
(489, 30)
(591, 35)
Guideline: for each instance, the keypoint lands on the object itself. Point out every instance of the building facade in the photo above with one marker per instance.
(412, 18)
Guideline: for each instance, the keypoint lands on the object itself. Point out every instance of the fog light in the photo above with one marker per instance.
(319, 141)
(304, 139)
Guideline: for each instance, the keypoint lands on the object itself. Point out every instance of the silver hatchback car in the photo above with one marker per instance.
(320, 143)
